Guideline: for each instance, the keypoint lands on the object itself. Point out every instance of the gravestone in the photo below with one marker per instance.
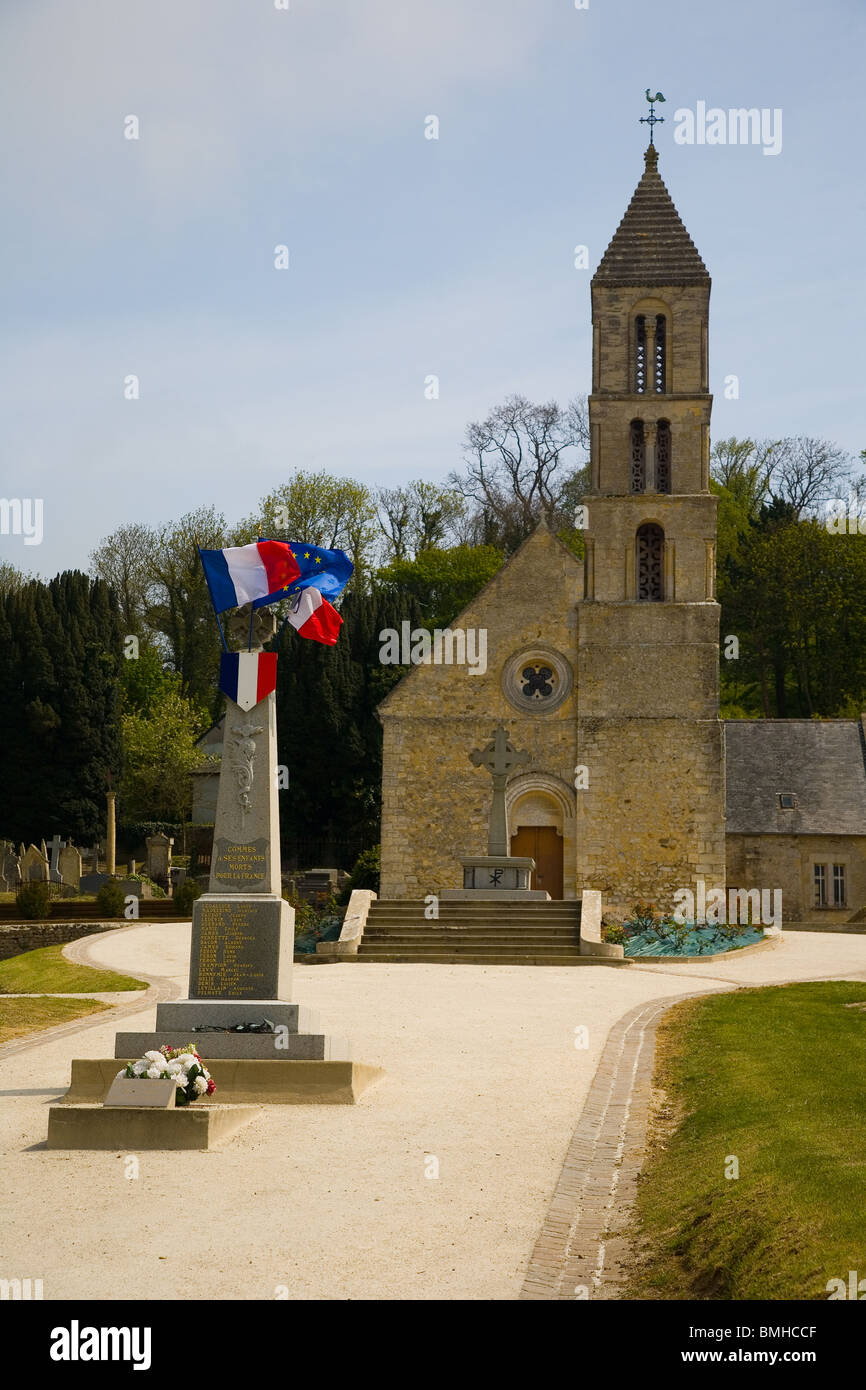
(134, 888)
(10, 867)
(69, 864)
(35, 867)
(497, 875)
(158, 863)
(91, 883)
(55, 845)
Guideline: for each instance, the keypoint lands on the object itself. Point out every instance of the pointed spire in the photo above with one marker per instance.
(651, 246)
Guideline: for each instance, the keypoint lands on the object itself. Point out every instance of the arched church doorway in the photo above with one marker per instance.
(536, 833)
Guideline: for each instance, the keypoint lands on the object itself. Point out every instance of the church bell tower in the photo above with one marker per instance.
(651, 819)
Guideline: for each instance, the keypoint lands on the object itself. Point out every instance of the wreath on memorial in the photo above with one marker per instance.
(180, 1064)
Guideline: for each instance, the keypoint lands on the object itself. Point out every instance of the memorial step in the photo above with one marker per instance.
(282, 1046)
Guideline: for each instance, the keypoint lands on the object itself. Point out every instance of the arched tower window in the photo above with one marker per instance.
(660, 354)
(650, 562)
(640, 362)
(663, 456)
(638, 457)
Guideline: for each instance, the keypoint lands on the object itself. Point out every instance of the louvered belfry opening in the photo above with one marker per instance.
(638, 457)
(649, 565)
(663, 456)
(640, 363)
(660, 364)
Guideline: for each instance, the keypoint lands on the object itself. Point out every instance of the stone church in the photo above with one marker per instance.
(606, 671)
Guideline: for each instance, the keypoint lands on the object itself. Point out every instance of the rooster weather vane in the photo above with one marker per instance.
(652, 119)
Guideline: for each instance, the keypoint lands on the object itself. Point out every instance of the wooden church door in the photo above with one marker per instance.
(544, 845)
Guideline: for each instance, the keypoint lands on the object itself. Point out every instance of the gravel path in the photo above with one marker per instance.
(435, 1186)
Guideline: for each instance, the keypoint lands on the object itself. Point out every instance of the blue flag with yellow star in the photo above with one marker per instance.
(329, 571)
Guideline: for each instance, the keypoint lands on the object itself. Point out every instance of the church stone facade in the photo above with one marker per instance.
(607, 672)
(435, 803)
(625, 788)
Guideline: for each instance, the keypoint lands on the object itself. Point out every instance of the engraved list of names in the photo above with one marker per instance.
(231, 951)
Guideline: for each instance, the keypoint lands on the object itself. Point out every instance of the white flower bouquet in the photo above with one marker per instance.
(179, 1064)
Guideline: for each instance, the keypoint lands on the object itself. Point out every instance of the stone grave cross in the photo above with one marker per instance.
(55, 844)
(499, 758)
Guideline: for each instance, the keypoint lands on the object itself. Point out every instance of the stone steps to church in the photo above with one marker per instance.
(415, 936)
(384, 907)
(473, 958)
(458, 942)
(493, 916)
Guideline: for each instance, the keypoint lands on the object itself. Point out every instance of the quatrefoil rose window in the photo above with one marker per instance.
(537, 680)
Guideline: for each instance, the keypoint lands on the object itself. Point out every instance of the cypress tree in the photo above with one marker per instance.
(61, 648)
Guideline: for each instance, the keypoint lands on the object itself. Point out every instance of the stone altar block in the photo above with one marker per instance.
(496, 878)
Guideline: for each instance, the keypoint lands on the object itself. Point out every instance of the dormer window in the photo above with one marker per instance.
(787, 801)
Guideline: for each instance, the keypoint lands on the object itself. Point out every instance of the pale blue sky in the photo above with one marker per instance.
(408, 256)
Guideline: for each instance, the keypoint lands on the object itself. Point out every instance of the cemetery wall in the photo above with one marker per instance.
(18, 937)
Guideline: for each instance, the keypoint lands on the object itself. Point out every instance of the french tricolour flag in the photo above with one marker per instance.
(249, 573)
(313, 616)
(248, 677)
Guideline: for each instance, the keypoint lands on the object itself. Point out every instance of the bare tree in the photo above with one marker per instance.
(516, 463)
(805, 472)
(418, 517)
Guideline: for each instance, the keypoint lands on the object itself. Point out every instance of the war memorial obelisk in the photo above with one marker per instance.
(259, 1046)
(240, 967)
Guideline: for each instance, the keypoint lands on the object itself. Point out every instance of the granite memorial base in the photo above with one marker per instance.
(134, 1128)
(208, 1023)
(242, 1081)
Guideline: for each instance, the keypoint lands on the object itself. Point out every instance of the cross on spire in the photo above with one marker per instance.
(652, 119)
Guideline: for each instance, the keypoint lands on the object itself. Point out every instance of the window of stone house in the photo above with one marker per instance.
(820, 879)
(787, 801)
(839, 894)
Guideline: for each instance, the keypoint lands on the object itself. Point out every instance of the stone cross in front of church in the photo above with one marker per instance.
(500, 759)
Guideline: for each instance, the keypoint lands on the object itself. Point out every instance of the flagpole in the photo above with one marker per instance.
(213, 604)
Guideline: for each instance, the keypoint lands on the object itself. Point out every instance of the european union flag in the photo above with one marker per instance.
(329, 571)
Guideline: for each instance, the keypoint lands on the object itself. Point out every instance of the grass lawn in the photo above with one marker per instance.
(48, 971)
(776, 1078)
(20, 1016)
